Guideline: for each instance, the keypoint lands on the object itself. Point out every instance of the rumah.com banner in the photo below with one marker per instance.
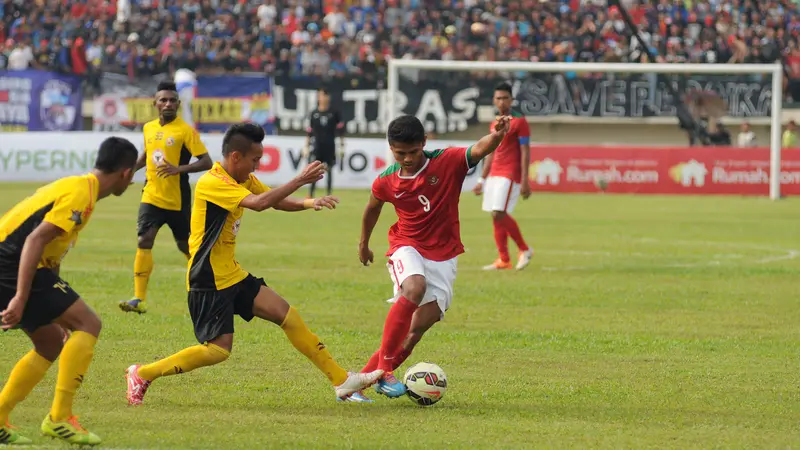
(45, 157)
(672, 170)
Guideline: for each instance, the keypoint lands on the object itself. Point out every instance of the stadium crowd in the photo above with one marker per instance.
(337, 38)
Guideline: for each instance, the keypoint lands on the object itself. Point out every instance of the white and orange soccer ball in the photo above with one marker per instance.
(426, 383)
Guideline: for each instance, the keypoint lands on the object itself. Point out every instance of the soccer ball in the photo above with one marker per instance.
(426, 383)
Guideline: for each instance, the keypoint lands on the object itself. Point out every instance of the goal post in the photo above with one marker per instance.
(775, 70)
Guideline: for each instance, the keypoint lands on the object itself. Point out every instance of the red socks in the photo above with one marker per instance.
(395, 329)
(501, 239)
(504, 228)
(398, 360)
(372, 364)
(513, 231)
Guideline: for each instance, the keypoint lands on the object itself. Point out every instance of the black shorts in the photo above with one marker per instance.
(151, 216)
(50, 297)
(212, 311)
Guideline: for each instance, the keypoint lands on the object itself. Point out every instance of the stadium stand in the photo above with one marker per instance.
(334, 38)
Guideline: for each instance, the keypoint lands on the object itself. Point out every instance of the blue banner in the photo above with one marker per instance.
(221, 101)
(33, 100)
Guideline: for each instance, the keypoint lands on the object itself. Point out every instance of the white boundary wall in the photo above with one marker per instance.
(42, 157)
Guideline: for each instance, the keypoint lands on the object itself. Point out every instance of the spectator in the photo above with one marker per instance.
(337, 38)
(746, 136)
(790, 135)
(20, 57)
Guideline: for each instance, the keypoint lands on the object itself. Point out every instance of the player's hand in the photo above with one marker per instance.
(501, 126)
(13, 313)
(365, 255)
(312, 173)
(167, 170)
(328, 201)
(66, 334)
(478, 189)
(525, 189)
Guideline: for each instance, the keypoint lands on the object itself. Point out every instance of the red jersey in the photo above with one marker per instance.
(426, 204)
(507, 159)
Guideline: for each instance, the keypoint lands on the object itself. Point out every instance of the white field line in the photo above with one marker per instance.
(716, 260)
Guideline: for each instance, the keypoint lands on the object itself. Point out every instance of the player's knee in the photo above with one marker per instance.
(222, 345)
(50, 350)
(92, 325)
(217, 354)
(88, 323)
(414, 288)
(48, 341)
(146, 241)
(183, 246)
(498, 215)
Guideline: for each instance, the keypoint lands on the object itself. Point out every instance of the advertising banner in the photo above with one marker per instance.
(442, 105)
(648, 170)
(34, 100)
(642, 95)
(210, 103)
(48, 156)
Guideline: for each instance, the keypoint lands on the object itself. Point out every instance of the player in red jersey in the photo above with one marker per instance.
(504, 179)
(424, 244)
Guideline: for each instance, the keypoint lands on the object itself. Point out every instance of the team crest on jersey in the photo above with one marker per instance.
(170, 141)
(432, 180)
(235, 227)
(76, 217)
(158, 156)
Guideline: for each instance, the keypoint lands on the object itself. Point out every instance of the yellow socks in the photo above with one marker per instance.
(75, 359)
(28, 372)
(142, 268)
(185, 360)
(309, 344)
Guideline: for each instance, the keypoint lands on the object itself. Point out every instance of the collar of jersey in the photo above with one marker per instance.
(411, 177)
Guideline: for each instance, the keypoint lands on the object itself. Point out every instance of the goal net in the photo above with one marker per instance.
(703, 102)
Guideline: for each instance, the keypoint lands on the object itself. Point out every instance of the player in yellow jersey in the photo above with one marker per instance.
(219, 288)
(35, 235)
(169, 144)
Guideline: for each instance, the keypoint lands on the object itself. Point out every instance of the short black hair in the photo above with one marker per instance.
(241, 136)
(115, 154)
(503, 87)
(406, 130)
(166, 86)
(324, 90)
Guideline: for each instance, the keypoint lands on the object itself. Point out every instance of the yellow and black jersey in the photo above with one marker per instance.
(216, 218)
(175, 142)
(67, 203)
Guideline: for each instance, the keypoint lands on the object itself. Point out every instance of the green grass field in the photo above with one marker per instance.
(643, 322)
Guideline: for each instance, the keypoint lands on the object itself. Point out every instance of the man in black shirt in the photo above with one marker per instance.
(325, 124)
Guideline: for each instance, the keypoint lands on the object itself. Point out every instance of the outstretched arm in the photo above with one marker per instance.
(368, 221)
(292, 204)
(272, 198)
(489, 143)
